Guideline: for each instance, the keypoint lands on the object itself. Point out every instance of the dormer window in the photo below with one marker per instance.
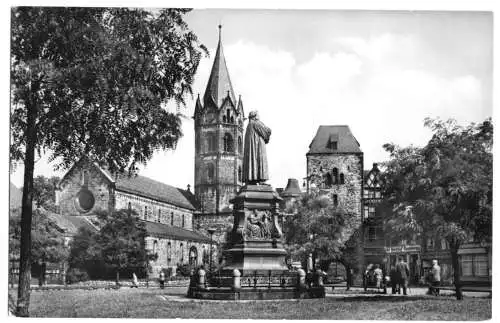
(332, 145)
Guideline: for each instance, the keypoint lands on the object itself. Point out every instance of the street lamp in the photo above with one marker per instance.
(211, 232)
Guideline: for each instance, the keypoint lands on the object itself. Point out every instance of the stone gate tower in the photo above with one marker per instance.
(218, 149)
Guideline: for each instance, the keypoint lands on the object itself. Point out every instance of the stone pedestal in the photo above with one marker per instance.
(256, 238)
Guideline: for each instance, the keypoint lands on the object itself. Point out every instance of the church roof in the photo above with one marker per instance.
(71, 223)
(147, 187)
(341, 134)
(219, 84)
(167, 231)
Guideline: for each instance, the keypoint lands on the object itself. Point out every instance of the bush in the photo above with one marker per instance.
(75, 275)
(184, 270)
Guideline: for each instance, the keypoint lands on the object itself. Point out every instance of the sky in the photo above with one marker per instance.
(379, 72)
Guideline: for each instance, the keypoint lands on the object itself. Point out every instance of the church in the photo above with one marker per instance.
(182, 225)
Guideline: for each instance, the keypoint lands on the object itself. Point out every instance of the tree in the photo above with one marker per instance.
(93, 82)
(119, 245)
(444, 188)
(316, 226)
(47, 243)
(44, 191)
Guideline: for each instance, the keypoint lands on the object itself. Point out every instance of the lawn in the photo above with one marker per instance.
(155, 303)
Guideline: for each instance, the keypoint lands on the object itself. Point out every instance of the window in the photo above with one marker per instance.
(228, 113)
(328, 180)
(228, 143)
(182, 252)
(335, 175)
(331, 145)
(159, 215)
(240, 177)
(129, 207)
(474, 265)
(366, 211)
(377, 195)
(342, 179)
(172, 218)
(335, 200)
(145, 213)
(210, 172)
(371, 233)
(169, 252)
(183, 222)
(240, 145)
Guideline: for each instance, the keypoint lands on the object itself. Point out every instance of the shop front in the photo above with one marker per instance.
(412, 256)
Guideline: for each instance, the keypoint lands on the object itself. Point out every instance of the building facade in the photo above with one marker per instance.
(87, 189)
(218, 125)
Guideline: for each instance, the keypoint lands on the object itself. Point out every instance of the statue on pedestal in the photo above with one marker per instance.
(257, 135)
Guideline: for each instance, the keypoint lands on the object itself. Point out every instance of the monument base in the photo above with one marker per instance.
(255, 266)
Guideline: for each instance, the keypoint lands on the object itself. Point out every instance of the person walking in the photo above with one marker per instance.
(135, 282)
(394, 280)
(161, 278)
(349, 273)
(435, 277)
(403, 273)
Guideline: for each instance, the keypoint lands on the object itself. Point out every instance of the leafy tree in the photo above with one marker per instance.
(444, 188)
(93, 82)
(317, 226)
(44, 191)
(47, 241)
(119, 245)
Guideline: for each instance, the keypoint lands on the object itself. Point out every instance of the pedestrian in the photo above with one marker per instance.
(135, 282)
(349, 273)
(403, 273)
(162, 279)
(394, 280)
(435, 277)
(378, 275)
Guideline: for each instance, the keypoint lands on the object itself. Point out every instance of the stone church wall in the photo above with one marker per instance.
(98, 185)
(151, 210)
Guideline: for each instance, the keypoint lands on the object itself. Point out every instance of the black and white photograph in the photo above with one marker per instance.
(261, 163)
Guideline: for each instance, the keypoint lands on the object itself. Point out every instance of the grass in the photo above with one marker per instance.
(150, 303)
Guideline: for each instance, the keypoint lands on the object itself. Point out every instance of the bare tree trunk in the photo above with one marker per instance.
(23, 294)
(456, 272)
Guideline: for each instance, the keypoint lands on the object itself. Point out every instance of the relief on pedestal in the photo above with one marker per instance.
(261, 225)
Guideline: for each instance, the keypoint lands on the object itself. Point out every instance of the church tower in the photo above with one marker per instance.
(218, 124)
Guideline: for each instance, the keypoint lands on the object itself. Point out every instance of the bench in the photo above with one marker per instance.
(466, 288)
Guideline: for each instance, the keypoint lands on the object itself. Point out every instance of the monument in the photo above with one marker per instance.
(255, 266)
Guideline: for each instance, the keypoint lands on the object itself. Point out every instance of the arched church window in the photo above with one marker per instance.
(210, 172)
(224, 119)
(182, 253)
(129, 208)
(159, 215)
(335, 198)
(240, 145)
(335, 175)
(145, 213)
(183, 221)
(228, 142)
(172, 218)
(240, 177)
(193, 256)
(232, 119)
(228, 114)
(342, 180)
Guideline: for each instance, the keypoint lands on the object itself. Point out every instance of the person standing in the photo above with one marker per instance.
(394, 280)
(435, 277)
(403, 273)
(135, 282)
(349, 274)
(378, 276)
(162, 279)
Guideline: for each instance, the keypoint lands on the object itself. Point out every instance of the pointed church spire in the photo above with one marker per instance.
(219, 84)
